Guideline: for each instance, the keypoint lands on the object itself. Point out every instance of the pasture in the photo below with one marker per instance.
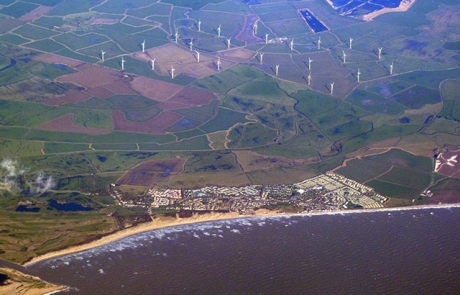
(396, 174)
(198, 143)
(224, 119)
(374, 103)
(281, 104)
(18, 9)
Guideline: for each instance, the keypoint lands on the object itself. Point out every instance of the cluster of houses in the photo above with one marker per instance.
(326, 192)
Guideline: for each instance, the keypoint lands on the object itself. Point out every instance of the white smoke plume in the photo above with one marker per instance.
(12, 168)
(12, 179)
(9, 173)
(42, 184)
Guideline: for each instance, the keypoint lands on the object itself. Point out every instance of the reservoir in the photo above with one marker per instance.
(312, 21)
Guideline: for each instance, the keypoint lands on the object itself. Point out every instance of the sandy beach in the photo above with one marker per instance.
(24, 284)
(404, 6)
(157, 223)
(163, 222)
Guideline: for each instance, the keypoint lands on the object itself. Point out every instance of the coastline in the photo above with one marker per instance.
(158, 223)
(24, 284)
(165, 222)
(403, 6)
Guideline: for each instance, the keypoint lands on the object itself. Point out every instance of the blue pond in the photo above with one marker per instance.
(67, 206)
(24, 208)
(312, 21)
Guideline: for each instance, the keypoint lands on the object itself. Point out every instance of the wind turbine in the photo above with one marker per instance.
(143, 46)
(197, 56)
(309, 78)
(266, 38)
(351, 42)
(172, 72)
(344, 56)
(261, 57)
(218, 63)
(191, 44)
(152, 62)
(380, 52)
(199, 25)
(309, 63)
(176, 35)
(228, 42)
(332, 88)
(218, 30)
(391, 68)
(359, 73)
(276, 70)
(122, 63)
(319, 42)
(254, 28)
(291, 45)
(102, 55)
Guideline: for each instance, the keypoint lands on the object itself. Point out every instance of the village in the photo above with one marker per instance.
(326, 192)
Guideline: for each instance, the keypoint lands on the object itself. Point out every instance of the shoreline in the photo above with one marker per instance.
(21, 283)
(165, 222)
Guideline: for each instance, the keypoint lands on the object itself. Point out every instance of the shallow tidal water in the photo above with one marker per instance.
(388, 252)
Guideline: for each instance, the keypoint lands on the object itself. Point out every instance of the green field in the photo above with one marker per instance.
(27, 114)
(251, 135)
(76, 42)
(93, 119)
(18, 9)
(34, 33)
(130, 102)
(153, 9)
(375, 103)
(69, 6)
(224, 119)
(395, 174)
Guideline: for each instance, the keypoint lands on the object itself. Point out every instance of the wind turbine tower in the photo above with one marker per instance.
(391, 68)
(102, 55)
(344, 56)
(176, 35)
(266, 38)
(218, 30)
(351, 42)
(172, 72)
(380, 52)
(291, 45)
(359, 73)
(197, 56)
(122, 63)
(276, 70)
(261, 57)
(152, 63)
(309, 78)
(319, 42)
(143, 46)
(332, 88)
(191, 44)
(228, 43)
(199, 25)
(218, 63)
(255, 27)
(309, 63)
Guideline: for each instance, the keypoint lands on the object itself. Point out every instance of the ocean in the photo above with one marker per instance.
(387, 252)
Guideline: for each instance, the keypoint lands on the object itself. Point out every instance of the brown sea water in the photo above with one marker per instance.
(397, 252)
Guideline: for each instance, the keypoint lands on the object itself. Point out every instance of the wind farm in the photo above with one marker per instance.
(248, 93)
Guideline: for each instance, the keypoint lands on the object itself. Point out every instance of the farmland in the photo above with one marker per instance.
(186, 94)
(244, 89)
